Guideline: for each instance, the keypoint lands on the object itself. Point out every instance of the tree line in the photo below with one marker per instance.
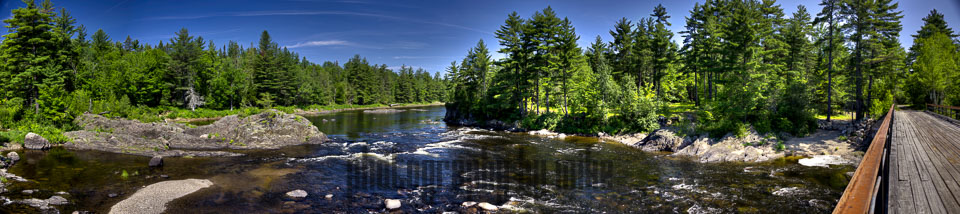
(742, 63)
(52, 72)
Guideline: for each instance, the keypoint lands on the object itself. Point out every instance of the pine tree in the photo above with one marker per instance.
(28, 53)
(266, 69)
(830, 16)
(662, 46)
(512, 39)
(185, 52)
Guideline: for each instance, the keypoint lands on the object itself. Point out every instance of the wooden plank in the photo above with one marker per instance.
(903, 190)
(942, 148)
(919, 199)
(944, 179)
(893, 178)
(930, 187)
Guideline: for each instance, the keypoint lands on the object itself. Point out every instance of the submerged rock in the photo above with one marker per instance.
(156, 161)
(297, 194)
(270, 129)
(35, 142)
(44, 204)
(383, 111)
(392, 203)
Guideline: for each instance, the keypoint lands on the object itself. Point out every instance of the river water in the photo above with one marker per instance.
(432, 167)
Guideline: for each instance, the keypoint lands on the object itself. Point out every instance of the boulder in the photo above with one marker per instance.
(392, 203)
(13, 156)
(156, 161)
(487, 206)
(35, 142)
(663, 140)
(297, 194)
(57, 200)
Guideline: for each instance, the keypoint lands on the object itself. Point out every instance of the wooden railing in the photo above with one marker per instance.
(867, 188)
(947, 111)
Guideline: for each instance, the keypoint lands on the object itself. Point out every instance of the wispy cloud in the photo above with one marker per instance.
(421, 57)
(319, 43)
(203, 33)
(307, 13)
(115, 6)
(377, 3)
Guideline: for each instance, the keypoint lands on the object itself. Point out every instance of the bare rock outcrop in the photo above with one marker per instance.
(663, 140)
(270, 129)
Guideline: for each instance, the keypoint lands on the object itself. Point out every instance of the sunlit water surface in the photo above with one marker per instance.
(432, 167)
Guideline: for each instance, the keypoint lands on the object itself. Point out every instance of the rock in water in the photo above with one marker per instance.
(488, 207)
(35, 142)
(13, 156)
(57, 200)
(154, 197)
(392, 203)
(297, 194)
(663, 140)
(156, 161)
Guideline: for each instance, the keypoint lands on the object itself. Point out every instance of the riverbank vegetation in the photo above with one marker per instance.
(742, 63)
(52, 71)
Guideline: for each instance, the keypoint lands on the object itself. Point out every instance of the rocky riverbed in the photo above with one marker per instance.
(834, 143)
(268, 130)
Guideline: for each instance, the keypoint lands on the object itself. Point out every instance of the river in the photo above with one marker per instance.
(432, 167)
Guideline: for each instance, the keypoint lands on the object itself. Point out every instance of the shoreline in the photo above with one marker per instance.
(753, 147)
(308, 112)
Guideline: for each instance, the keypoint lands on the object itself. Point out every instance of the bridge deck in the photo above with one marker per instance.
(925, 164)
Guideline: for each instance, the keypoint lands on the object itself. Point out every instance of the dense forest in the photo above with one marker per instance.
(742, 64)
(52, 71)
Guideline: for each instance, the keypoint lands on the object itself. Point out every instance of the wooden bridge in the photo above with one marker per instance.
(911, 166)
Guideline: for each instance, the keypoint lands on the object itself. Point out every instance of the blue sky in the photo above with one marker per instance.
(422, 33)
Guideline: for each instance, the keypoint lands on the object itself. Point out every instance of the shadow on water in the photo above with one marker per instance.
(431, 167)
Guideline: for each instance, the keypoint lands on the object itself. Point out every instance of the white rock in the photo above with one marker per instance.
(488, 207)
(328, 196)
(297, 194)
(823, 160)
(392, 203)
(468, 203)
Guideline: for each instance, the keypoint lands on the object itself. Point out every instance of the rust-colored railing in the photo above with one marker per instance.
(863, 189)
(947, 111)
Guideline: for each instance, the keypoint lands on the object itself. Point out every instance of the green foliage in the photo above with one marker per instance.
(19, 130)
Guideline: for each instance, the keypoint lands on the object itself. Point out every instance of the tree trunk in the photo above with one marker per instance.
(696, 81)
(869, 93)
(859, 85)
(537, 89)
(830, 66)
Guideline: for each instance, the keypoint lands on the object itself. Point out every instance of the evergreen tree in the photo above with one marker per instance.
(185, 52)
(29, 54)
